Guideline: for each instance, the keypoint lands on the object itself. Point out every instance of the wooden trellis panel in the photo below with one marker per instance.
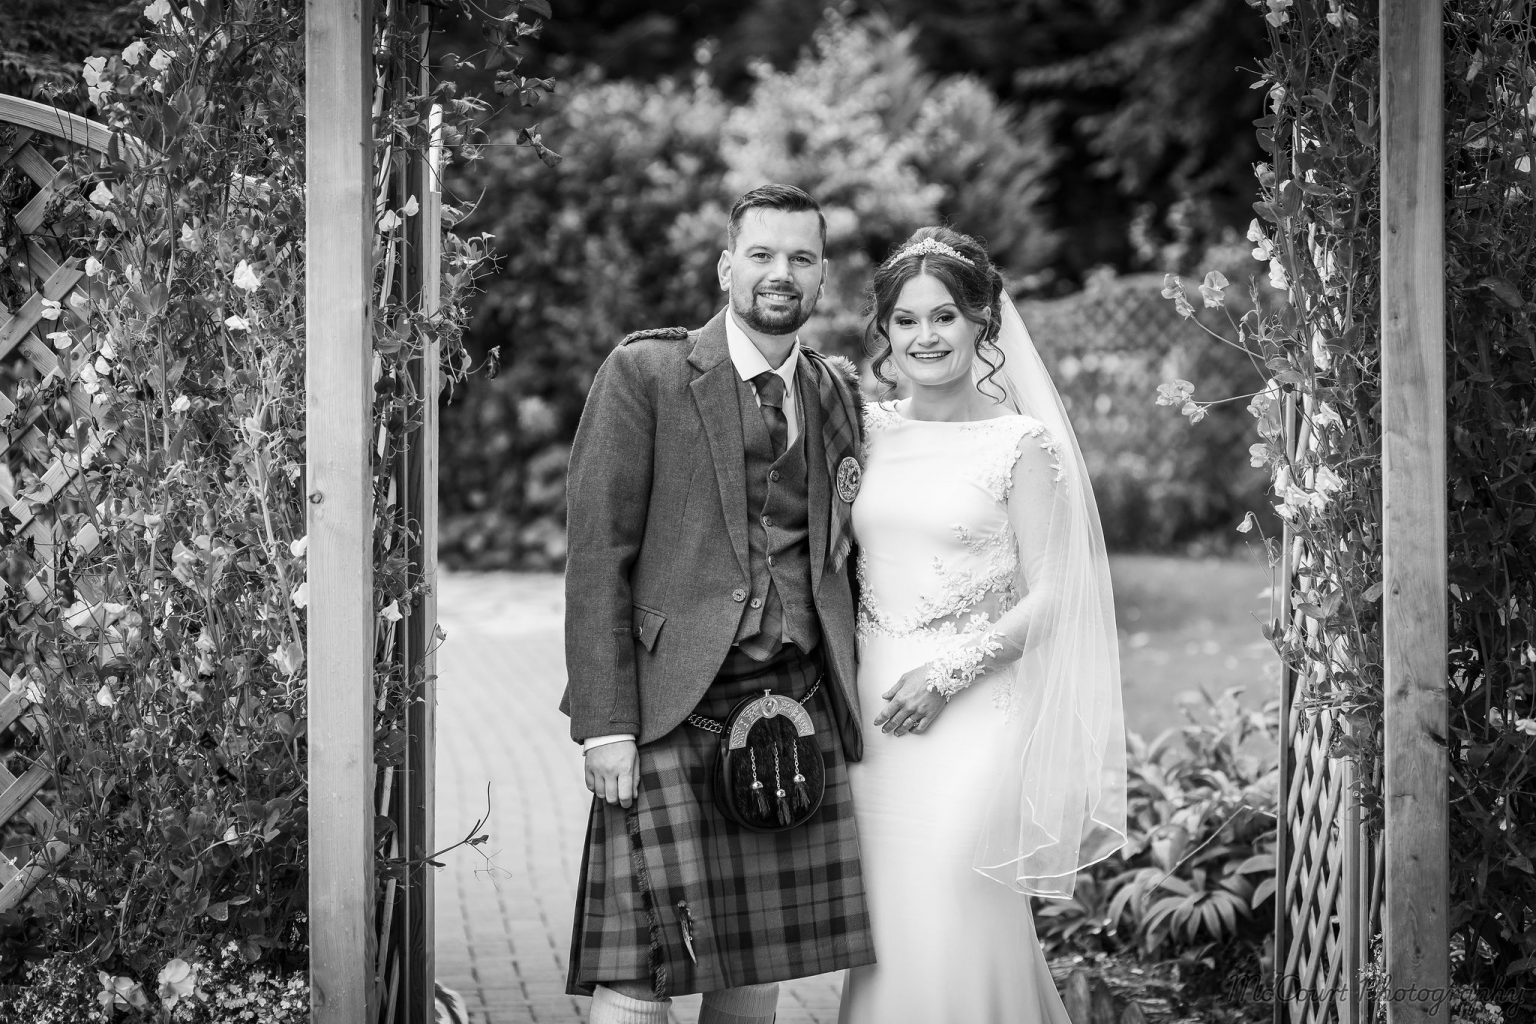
(41, 486)
(1328, 898)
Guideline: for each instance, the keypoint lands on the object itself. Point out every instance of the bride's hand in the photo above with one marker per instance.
(909, 705)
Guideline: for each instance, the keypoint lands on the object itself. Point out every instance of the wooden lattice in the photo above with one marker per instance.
(1329, 865)
(40, 484)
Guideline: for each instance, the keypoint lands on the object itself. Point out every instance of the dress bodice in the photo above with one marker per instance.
(937, 550)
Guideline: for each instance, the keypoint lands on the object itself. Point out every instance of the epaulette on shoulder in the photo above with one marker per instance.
(664, 333)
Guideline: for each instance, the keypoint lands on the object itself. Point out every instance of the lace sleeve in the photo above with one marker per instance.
(1037, 499)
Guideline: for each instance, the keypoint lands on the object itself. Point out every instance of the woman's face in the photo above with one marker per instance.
(932, 343)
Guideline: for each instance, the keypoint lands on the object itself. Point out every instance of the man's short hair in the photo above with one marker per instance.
(787, 198)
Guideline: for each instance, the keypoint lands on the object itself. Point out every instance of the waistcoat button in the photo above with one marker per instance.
(757, 602)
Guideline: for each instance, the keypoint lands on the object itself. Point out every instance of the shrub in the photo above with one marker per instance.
(1197, 870)
(623, 234)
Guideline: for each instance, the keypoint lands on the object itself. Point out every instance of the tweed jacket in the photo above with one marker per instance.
(658, 564)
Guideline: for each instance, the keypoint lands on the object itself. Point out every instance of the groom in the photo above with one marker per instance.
(708, 513)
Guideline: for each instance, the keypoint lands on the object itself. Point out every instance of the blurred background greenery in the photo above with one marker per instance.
(1094, 144)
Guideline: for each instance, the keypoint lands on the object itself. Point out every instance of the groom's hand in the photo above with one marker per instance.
(613, 771)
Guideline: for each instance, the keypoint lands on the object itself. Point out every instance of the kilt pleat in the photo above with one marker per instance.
(671, 873)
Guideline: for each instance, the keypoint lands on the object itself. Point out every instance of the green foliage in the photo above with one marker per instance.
(222, 988)
(171, 669)
(1197, 871)
(1158, 486)
(624, 234)
(1491, 475)
(42, 47)
(1319, 229)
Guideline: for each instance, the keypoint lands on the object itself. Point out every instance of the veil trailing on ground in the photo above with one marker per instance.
(1060, 804)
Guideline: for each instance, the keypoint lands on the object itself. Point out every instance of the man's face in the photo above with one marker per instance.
(775, 272)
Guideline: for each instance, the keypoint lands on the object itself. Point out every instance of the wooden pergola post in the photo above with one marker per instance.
(337, 296)
(1414, 506)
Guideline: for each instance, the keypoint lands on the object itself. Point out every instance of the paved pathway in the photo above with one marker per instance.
(504, 907)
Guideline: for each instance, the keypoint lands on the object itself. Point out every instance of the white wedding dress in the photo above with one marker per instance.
(948, 521)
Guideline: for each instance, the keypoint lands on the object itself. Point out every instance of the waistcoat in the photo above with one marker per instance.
(778, 536)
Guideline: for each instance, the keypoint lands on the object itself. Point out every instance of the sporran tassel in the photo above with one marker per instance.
(758, 795)
(802, 793)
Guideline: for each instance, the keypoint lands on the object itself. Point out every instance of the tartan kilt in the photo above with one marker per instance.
(757, 907)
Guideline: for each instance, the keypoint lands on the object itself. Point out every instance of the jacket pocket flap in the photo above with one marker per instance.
(647, 625)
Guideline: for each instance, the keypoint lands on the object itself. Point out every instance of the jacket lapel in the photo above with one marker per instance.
(818, 487)
(715, 394)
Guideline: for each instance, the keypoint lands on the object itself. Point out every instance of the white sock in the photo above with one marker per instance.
(748, 1004)
(610, 1007)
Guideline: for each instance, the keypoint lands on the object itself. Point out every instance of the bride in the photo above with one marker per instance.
(987, 647)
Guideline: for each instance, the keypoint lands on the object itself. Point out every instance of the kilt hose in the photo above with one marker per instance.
(673, 894)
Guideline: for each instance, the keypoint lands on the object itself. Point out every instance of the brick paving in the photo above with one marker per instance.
(504, 907)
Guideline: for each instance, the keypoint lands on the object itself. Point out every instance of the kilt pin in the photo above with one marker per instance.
(668, 606)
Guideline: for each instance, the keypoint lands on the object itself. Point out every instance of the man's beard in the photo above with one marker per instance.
(773, 322)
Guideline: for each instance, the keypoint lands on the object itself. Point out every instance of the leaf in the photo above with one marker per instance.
(1504, 291)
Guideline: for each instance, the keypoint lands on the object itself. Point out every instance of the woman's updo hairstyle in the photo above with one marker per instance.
(971, 279)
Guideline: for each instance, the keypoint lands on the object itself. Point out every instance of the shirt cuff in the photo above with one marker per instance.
(597, 741)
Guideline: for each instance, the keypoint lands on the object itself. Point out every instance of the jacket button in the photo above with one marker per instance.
(767, 522)
(757, 602)
(637, 631)
(773, 475)
(738, 594)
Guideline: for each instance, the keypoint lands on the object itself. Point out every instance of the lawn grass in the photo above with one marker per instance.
(1187, 623)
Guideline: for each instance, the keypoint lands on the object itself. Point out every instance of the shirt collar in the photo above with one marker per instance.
(749, 359)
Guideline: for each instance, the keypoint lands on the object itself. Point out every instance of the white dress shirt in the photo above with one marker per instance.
(749, 361)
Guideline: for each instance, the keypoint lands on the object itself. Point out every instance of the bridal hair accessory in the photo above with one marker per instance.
(932, 245)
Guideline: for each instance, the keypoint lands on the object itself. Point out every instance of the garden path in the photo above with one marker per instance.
(504, 907)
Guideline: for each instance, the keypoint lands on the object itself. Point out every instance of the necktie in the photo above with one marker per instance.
(770, 392)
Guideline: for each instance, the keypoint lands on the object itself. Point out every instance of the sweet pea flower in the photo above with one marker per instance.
(182, 404)
(1175, 392)
(1526, 725)
(61, 339)
(1211, 289)
(177, 981)
(1263, 249)
(92, 266)
(161, 60)
(245, 278)
(120, 993)
(189, 238)
(158, 11)
(391, 612)
(389, 221)
(51, 309)
(1277, 278)
(237, 323)
(101, 195)
(411, 207)
(134, 52)
(1258, 455)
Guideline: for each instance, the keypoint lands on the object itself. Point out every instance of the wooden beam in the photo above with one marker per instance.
(338, 286)
(1414, 506)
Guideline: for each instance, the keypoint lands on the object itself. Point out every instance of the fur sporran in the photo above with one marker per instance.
(769, 772)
